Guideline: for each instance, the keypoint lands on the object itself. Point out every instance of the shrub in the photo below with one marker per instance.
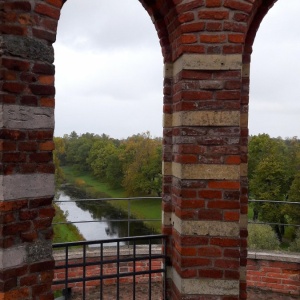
(262, 237)
(295, 245)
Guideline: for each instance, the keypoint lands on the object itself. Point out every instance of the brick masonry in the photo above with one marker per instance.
(268, 273)
(276, 272)
(206, 46)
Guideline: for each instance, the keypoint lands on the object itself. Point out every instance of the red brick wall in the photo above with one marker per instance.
(266, 272)
(278, 273)
(108, 269)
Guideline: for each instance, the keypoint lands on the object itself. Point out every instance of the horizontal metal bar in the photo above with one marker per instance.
(157, 198)
(108, 199)
(108, 241)
(111, 261)
(268, 223)
(274, 201)
(109, 220)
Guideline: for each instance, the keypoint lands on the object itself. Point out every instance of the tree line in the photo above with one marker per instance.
(274, 174)
(133, 164)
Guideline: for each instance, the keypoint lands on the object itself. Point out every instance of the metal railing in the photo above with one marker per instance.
(131, 218)
(129, 254)
(112, 267)
(275, 202)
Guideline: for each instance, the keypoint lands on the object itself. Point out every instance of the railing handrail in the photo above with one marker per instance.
(109, 241)
(108, 199)
(274, 201)
(132, 219)
(117, 259)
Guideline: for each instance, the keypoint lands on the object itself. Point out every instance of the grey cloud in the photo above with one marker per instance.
(106, 24)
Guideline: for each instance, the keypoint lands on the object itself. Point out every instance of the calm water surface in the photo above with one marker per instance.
(98, 211)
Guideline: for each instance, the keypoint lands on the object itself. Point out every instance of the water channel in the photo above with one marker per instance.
(97, 214)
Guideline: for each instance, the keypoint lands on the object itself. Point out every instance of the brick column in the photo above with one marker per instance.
(206, 169)
(26, 131)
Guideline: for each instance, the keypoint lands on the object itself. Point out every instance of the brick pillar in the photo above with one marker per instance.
(27, 173)
(203, 210)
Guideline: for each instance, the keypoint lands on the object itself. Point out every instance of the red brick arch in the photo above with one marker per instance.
(206, 45)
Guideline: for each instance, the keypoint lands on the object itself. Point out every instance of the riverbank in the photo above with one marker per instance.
(140, 209)
(64, 233)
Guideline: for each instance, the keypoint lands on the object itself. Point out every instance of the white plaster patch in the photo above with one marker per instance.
(26, 186)
(26, 117)
(12, 257)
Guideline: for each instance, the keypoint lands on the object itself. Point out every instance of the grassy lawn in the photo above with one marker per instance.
(64, 233)
(140, 209)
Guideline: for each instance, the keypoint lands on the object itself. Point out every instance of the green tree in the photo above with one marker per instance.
(99, 157)
(142, 165)
(58, 156)
(259, 148)
(78, 149)
(114, 171)
(273, 164)
(293, 210)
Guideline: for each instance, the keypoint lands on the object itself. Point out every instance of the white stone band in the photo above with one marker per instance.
(207, 62)
(26, 117)
(206, 171)
(205, 228)
(206, 118)
(12, 257)
(20, 186)
(201, 286)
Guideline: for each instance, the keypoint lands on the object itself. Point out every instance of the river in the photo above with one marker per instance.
(98, 212)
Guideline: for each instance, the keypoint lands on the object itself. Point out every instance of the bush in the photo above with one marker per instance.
(295, 245)
(262, 237)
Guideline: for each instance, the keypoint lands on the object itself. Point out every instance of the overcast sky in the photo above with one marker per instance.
(109, 70)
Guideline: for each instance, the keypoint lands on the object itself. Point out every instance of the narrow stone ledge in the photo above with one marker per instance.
(24, 117)
(12, 257)
(206, 118)
(206, 171)
(201, 286)
(205, 228)
(207, 62)
(20, 186)
(274, 256)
